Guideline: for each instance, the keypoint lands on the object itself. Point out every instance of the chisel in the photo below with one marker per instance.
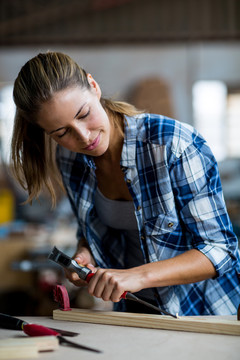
(39, 330)
(13, 323)
(86, 274)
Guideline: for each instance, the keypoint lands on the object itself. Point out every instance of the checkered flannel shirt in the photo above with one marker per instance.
(174, 181)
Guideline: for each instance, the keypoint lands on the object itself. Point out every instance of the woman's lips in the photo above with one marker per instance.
(94, 144)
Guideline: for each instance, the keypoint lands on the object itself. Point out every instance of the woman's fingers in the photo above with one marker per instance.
(108, 284)
(74, 278)
(84, 258)
(105, 284)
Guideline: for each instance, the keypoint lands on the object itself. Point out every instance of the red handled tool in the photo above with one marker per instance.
(39, 330)
(13, 323)
(86, 274)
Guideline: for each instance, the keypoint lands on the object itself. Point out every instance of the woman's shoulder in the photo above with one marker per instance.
(162, 130)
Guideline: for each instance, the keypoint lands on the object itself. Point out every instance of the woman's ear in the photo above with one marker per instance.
(94, 85)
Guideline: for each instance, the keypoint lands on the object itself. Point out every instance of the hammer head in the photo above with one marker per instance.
(59, 257)
(65, 261)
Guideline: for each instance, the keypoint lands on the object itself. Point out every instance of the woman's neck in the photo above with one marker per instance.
(110, 177)
(113, 153)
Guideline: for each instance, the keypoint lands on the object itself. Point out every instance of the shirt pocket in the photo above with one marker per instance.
(165, 238)
(163, 224)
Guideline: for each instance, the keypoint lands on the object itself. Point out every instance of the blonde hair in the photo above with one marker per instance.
(33, 152)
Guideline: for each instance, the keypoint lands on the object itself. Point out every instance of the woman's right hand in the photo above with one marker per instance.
(83, 257)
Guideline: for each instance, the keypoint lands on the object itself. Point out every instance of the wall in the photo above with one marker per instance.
(118, 68)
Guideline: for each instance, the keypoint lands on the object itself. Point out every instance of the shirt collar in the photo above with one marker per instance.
(87, 160)
(128, 157)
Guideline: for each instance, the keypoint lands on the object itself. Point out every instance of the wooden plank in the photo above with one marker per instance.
(209, 325)
(26, 347)
(13, 349)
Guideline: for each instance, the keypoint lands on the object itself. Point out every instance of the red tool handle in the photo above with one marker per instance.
(90, 275)
(38, 330)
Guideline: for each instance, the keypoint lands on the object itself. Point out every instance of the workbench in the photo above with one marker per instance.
(121, 342)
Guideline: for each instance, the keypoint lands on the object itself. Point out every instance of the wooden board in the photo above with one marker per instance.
(26, 347)
(209, 325)
(18, 351)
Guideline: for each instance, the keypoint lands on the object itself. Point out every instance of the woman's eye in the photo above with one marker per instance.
(65, 132)
(85, 115)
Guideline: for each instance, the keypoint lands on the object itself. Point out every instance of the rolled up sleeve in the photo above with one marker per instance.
(199, 196)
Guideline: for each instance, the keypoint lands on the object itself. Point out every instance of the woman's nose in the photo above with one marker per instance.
(82, 133)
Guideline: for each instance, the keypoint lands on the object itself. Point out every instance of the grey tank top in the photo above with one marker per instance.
(116, 214)
(120, 215)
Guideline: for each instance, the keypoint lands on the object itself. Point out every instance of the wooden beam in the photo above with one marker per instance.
(52, 13)
(25, 347)
(206, 324)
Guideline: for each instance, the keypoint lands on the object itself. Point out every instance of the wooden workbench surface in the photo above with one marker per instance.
(121, 342)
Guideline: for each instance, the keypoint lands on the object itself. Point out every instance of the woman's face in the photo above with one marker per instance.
(76, 120)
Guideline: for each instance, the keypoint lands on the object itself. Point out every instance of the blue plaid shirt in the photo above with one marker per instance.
(173, 178)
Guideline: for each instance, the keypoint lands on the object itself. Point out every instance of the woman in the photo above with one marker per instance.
(145, 190)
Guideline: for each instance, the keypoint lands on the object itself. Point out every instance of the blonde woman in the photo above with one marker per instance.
(145, 190)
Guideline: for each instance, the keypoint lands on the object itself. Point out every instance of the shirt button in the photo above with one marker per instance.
(170, 225)
(139, 208)
(142, 237)
(129, 181)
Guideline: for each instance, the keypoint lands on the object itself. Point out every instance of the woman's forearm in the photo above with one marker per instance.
(189, 267)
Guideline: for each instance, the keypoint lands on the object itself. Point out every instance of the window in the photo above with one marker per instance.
(7, 113)
(233, 123)
(216, 114)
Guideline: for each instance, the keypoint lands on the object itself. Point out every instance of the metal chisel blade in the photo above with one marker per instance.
(130, 296)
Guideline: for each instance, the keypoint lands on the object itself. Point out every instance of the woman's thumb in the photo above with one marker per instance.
(81, 259)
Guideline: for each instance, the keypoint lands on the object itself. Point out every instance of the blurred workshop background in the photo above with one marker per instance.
(180, 58)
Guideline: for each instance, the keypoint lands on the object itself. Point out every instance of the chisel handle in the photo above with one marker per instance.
(89, 276)
(39, 330)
